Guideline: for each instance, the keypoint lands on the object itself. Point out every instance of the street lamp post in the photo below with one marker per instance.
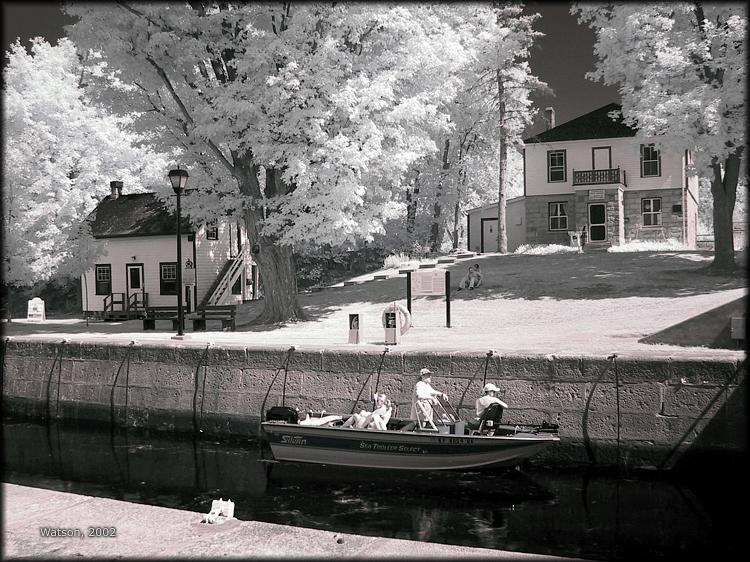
(179, 178)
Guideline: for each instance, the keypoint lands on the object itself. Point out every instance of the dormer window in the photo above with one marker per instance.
(212, 231)
(556, 169)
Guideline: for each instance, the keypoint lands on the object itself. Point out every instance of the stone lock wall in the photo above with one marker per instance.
(667, 406)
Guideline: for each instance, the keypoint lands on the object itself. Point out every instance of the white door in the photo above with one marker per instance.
(489, 235)
(134, 276)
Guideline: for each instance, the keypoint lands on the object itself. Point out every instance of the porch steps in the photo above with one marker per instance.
(596, 247)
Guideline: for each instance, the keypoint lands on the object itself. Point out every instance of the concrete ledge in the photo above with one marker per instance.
(146, 531)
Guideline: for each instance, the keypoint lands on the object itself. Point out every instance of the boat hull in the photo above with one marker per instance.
(398, 449)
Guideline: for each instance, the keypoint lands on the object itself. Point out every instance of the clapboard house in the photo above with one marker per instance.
(136, 266)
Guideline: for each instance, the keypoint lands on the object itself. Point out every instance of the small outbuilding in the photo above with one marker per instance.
(482, 226)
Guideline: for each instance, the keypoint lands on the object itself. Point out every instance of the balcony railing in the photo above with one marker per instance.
(597, 177)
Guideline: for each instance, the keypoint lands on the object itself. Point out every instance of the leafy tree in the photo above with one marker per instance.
(681, 69)
(303, 118)
(59, 153)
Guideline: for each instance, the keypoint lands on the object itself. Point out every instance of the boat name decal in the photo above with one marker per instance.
(389, 447)
(293, 440)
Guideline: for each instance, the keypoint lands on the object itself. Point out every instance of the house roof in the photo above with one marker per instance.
(135, 214)
(594, 125)
(514, 200)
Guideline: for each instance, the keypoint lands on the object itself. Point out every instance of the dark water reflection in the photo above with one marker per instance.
(595, 516)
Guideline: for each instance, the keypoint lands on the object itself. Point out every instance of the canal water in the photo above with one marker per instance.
(565, 513)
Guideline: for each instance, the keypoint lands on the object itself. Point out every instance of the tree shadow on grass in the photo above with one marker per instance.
(671, 274)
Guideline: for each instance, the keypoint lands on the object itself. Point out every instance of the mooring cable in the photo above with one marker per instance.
(275, 376)
(48, 406)
(585, 419)
(490, 353)
(112, 417)
(613, 357)
(59, 376)
(700, 416)
(369, 376)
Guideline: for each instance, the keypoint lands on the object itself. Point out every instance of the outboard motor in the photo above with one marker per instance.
(282, 413)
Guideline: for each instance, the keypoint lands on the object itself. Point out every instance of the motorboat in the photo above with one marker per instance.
(443, 443)
(437, 440)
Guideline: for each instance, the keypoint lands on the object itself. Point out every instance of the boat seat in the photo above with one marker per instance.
(490, 419)
(325, 420)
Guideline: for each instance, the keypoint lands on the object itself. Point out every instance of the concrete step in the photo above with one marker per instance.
(426, 265)
(596, 247)
(446, 260)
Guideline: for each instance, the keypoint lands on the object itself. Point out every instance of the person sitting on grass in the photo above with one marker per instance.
(377, 419)
(472, 279)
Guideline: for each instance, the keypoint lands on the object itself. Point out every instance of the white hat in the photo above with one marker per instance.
(489, 387)
(425, 373)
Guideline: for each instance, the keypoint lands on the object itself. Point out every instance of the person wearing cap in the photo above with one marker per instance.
(485, 401)
(424, 394)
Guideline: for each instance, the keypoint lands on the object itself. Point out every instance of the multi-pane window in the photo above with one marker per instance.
(651, 211)
(212, 231)
(650, 161)
(556, 165)
(168, 278)
(103, 279)
(558, 216)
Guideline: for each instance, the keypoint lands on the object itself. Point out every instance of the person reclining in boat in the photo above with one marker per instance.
(485, 401)
(424, 397)
(377, 419)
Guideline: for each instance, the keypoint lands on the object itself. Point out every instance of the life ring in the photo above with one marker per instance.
(405, 316)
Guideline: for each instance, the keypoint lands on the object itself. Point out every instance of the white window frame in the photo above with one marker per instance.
(654, 215)
(562, 153)
(655, 158)
(558, 212)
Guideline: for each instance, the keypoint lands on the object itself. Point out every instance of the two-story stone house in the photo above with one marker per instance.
(136, 264)
(591, 174)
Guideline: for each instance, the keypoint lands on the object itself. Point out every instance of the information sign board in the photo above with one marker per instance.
(596, 195)
(428, 282)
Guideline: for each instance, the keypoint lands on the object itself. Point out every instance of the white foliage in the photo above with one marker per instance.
(59, 153)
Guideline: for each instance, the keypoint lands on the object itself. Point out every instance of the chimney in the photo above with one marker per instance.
(549, 117)
(116, 189)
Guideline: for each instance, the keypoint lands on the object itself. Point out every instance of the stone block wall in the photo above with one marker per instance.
(537, 219)
(661, 408)
(671, 226)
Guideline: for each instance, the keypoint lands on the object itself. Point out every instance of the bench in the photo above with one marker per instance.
(154, 313)
(224, 312)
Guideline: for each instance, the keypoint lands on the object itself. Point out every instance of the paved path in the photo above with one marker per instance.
(145, 531)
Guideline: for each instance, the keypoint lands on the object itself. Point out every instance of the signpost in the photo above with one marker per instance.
(430, 282)
(35, 311)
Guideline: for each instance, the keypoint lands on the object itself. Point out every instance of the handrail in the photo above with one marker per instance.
(227, 280)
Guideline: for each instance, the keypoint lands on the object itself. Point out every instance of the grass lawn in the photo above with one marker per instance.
(659, 302)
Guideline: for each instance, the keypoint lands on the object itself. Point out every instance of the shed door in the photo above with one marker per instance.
(489, 235)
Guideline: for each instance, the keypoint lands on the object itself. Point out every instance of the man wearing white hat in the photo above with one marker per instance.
(489, 398)
(425, 395)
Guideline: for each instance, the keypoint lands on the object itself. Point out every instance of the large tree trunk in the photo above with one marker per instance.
(436, 232)
(411, 204)
(276, 264)
(724, 192)
(502, 235)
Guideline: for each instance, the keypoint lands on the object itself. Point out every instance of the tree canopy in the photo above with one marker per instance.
(59, 154)
(681, 70)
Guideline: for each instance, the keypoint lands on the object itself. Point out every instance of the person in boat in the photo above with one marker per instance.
(377, 419)
(488, 398)
(425, 396)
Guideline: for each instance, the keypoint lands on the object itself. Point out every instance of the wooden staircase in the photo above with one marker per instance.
(221, 290)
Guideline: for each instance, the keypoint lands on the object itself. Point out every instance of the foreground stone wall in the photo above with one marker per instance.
(666, 405)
